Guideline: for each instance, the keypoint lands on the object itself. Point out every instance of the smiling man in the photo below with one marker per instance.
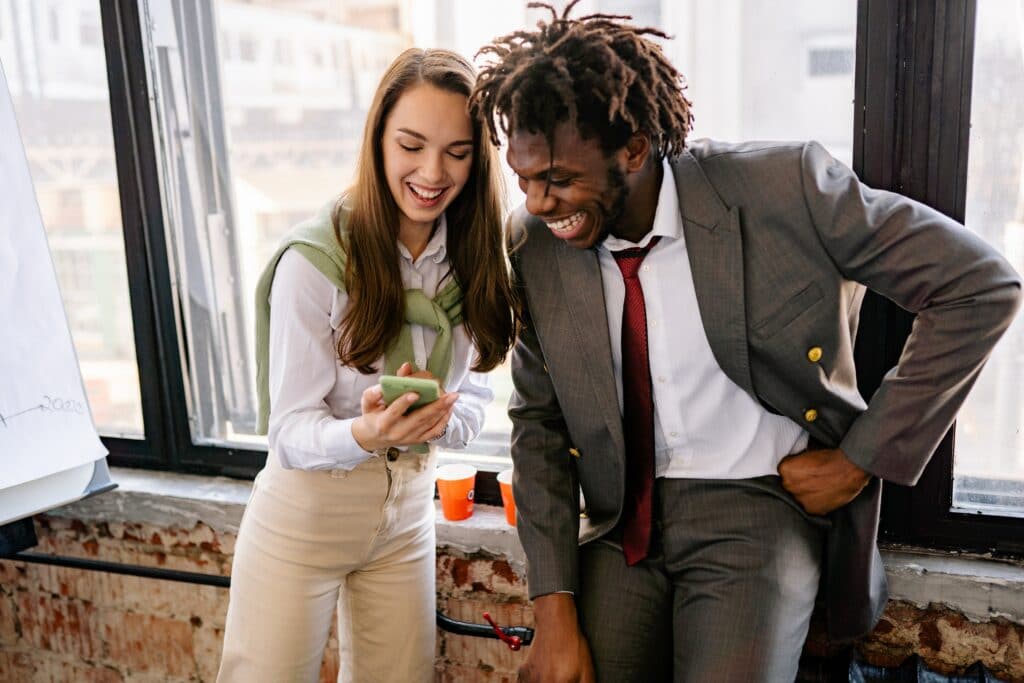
(690, 310)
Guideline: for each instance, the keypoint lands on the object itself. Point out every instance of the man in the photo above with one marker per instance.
(686, 364)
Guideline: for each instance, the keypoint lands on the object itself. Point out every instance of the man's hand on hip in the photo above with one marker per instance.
(559, 652)
(822, 481)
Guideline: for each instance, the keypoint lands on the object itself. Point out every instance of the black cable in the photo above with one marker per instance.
(448, 624)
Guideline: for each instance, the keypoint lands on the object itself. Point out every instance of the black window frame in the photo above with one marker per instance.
(913, 67)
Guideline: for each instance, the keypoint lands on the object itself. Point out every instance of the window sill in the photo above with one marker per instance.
(978, 587)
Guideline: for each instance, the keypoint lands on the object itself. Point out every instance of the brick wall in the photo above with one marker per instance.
(59, 624)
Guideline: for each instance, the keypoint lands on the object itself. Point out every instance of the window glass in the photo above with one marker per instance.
(58, 79)
(261, 106)
(988, 475)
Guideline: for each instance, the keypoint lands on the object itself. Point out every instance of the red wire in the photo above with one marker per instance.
(513, 642)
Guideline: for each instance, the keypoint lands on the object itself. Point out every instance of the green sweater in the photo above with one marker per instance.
(316, 241)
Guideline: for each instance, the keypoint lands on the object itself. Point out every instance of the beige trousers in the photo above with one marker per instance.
(309, 541)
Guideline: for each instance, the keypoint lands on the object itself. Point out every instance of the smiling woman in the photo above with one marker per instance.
(426, 172)
(403, 274)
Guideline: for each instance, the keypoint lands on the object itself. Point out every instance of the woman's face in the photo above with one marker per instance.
(428, 152)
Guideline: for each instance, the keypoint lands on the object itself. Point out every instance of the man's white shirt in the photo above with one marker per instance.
(705, 425)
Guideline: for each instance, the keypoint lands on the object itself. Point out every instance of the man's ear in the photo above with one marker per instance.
(636, 152)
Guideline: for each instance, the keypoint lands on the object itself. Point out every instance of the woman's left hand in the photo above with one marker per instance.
(405, 370)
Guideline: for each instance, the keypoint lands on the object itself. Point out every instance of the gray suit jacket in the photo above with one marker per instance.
(782, 241)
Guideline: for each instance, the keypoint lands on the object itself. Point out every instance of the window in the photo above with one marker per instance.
(62, 105)
(247, 49)
(830, 61)
(989, 462)
(216, 162)
(274, 153)
(54, 16)
(89, 30)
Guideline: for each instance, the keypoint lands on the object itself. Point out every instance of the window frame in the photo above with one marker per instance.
(914, 69)
(167, 444)
(912, 73)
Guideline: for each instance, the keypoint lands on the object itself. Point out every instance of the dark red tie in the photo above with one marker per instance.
(638, 409)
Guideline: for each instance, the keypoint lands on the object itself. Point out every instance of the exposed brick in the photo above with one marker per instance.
(207, 644)
(461, 575)
(930, 636)
(148, 644)
(146, 677)
(15, 666)
(9, 635)
(483, 653)
(331, 664)
(946, 641)
(60, 625)
(11, 572)
(52, 669)
(460, 674)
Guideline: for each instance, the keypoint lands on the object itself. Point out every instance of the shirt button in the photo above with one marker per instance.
(673, 434)
(654, 323)
(646, 268)
(814, 354)
(810, 414)
(661, 379)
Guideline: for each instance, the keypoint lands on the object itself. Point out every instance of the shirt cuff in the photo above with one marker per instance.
(341, 446)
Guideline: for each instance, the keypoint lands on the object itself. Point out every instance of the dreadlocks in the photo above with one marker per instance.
(596, 72)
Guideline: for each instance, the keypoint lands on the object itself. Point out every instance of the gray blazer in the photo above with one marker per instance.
(782, 241)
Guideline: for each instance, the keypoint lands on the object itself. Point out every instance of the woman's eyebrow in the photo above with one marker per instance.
(409, 131)
(421, 136)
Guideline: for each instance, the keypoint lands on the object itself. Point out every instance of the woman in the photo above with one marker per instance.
(405, 274)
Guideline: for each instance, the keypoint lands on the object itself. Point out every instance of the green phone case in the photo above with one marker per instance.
(394, 386)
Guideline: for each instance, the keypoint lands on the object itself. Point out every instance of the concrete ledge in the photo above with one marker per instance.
(980, 588)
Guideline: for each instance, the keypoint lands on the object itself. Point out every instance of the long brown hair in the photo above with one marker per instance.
(476, 245)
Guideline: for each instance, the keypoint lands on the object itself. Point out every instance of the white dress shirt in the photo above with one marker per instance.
(705, 426)
(314, 399)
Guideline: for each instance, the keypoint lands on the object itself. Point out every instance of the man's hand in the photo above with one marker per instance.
(559, 652)
(822, 481)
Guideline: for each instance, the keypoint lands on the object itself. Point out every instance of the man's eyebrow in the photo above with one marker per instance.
(421, 136)
(549, 172)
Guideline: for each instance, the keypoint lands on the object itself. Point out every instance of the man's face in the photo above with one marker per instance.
(587, 192)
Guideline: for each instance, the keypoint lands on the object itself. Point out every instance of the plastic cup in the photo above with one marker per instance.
(509, 503)
(456, 485)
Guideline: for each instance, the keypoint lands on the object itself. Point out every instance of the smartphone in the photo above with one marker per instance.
(394, 386)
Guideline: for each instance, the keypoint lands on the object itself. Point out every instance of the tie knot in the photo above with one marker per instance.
(629, 260)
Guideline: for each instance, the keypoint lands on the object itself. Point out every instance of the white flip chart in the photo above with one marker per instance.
(46, 428)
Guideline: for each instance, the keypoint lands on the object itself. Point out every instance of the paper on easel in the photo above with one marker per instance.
(45, 422)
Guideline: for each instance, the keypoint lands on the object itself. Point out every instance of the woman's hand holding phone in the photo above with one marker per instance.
(383, 426)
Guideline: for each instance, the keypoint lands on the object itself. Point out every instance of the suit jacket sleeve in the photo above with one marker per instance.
(544, 483)
(964, 295)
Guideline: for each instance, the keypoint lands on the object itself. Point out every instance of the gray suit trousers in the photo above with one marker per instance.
(725, 595)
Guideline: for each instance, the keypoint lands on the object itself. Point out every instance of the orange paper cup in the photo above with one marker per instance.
(455, 486)
(505, 482)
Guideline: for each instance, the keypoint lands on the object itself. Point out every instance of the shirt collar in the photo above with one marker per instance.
(437, 247)
(666, 216)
